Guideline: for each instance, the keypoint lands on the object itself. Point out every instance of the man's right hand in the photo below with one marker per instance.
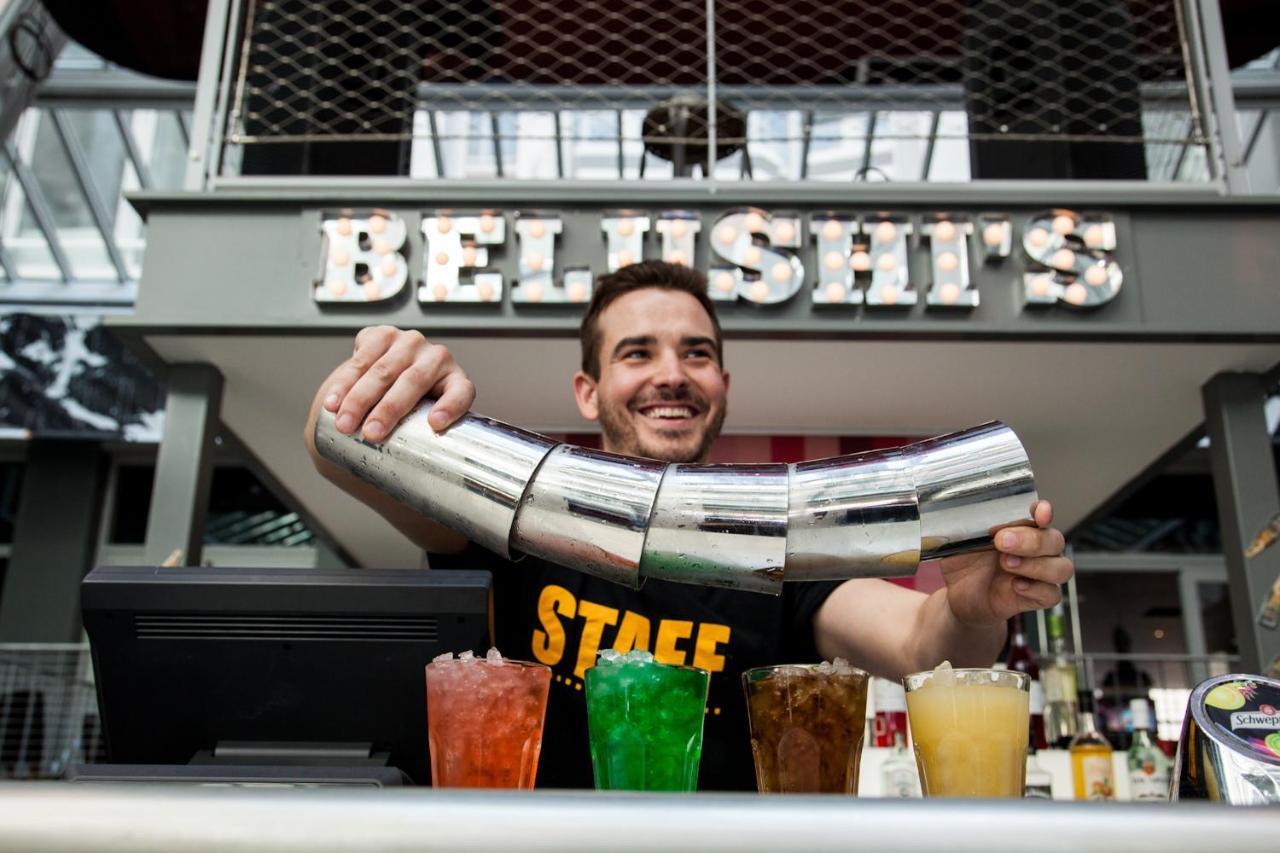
(387, 374)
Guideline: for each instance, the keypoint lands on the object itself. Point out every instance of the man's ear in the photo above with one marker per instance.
(584, 394)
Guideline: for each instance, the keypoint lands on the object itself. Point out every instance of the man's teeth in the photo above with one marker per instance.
(670, 412)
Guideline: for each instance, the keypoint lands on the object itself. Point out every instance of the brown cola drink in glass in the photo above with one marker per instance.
(807, 725)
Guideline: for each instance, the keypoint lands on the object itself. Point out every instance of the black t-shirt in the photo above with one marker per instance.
(559, 617)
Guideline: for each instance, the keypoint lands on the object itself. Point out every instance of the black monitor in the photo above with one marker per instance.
(273, 667)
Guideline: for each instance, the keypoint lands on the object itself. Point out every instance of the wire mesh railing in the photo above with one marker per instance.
(812, 89)
(48, 710)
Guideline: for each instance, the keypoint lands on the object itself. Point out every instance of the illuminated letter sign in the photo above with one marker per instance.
(887, 260)
(456, 244)
(949, 256)
(1071, 259)
(624, 232)
(678, 229)
(362, 260)
(744, 238)
(536, 233)
(834, 234)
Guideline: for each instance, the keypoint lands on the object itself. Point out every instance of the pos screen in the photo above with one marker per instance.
(210, 666)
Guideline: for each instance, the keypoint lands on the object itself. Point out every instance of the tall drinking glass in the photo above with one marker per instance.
(970, 728)
(645, 723)
(484, 720)
(807, 725)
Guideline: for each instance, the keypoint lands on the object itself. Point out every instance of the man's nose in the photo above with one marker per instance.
(669, 371)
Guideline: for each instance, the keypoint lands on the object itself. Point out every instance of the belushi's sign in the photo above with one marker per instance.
(837, 260)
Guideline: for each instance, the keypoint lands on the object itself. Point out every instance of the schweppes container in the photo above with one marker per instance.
(1230, 746)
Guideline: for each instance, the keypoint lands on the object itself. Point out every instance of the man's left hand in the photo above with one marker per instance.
(1023, 573)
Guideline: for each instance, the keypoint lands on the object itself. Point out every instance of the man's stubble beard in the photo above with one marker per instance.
(620, 434)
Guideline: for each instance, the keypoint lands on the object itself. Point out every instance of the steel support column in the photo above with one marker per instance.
(184, 465)
(1244, 481)
(55, 541)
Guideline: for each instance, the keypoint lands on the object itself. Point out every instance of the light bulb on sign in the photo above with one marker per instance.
(485, 291)
(993, 234)
(577, 292)
(1095, 275)
(947, 262)
(676, 257)
(679, 228)
(724, 282)
(887, 262)
(949, 293)
(784, 233)
(487, 223)
(440, 292)
(340, 258)
(343, 227)
(889, 295)
(443, 225)
(534, 261)
(1063, 224)
(726, 234)
(781, 272)
(835, 292)
(537, 230)
(831, 230)
(860, 261)
(752, 255)
(885, 232)
(1038, 237)
(377, 224)
(337, 287)
(944, 231)
(626, 228)
(759, 291)
(755, 223)
(1064, 259)
(1076, 294)
(371, 291)
(833, 261)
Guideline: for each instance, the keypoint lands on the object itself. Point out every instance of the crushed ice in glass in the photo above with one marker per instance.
(943, 675)
(493, 656)
(467, 656)
(444, 658)
(638, 656)
(610, 656)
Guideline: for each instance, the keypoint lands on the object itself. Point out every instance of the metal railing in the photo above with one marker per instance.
(141, 819)
(48, 710)
(813, 90)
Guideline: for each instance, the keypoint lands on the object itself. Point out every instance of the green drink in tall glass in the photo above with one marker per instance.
(645, 721)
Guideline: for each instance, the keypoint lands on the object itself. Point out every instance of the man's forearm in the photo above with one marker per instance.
(940, 636)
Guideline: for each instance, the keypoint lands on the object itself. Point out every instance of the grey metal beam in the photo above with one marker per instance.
(55, 541)
(40, 211)
(497, 142)
(203, 132)
(7, 264)
(83, 174)
(131, 148)
(184, 464)
(1244, 482)
(112, 88)
(1225, 126)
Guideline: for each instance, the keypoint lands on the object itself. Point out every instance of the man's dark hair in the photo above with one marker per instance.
(657, 274)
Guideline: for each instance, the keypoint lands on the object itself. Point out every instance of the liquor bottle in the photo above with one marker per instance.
(1091, 766)
(891, 711)
(898, 775)
(1059, 680)
(1022, 659)
(1039, 780)
(1148, 766)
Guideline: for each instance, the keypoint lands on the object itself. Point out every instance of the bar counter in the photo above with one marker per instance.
(60, 817)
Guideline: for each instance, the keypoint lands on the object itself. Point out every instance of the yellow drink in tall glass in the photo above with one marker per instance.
(970, 727)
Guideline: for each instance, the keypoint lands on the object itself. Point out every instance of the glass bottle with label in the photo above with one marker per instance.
(1059, 680)
(1091, 767)
(1039, 780)
(1148, 766)
(1022, 659)
(899, 776)
(891, 711)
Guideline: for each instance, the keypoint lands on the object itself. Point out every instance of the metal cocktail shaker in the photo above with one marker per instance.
(1230, 746)
(875, 514)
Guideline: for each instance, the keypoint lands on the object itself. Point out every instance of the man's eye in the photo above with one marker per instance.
(635, 353)
(698, 353)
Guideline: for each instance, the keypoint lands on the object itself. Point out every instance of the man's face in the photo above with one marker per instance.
(662, 390)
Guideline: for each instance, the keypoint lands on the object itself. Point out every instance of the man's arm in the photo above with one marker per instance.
(891, 631)
(388, 373)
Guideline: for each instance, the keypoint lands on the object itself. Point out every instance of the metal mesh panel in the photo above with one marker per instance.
(811, 89)
(48, 710)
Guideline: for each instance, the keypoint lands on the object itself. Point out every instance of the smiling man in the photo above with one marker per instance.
(653, 376)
